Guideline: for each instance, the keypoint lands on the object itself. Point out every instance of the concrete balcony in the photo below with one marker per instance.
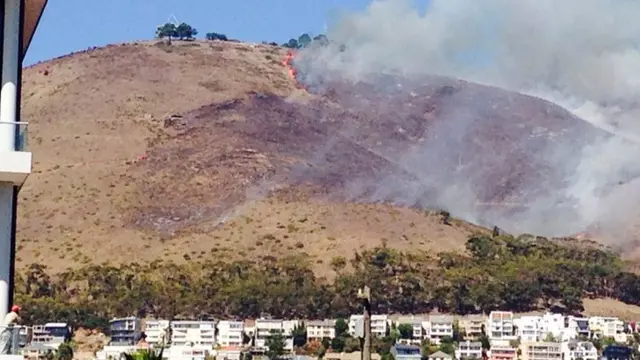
(15, 166)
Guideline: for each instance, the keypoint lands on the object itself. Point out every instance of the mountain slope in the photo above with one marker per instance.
(253, 166)
(94, 114)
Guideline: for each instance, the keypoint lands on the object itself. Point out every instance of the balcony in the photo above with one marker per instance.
(15, 166)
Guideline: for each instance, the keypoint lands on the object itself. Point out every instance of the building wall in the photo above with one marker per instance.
(541, 351)
(198, 333)
(230, 333)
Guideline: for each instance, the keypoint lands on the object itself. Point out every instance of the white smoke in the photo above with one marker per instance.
(580, 54)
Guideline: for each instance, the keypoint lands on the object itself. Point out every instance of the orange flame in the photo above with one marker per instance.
(288, 64)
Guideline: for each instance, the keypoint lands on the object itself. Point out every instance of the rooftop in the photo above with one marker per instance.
(32, 14)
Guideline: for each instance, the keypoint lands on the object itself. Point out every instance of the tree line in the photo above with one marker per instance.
(497, 272)
(185, 31)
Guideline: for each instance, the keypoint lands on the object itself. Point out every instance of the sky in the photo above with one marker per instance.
(72, 25)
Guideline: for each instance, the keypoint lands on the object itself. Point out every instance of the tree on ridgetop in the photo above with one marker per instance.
(304, 40)
(216, 36)
(186, 31)
(321, 39)
(167, 30)
(291, 44)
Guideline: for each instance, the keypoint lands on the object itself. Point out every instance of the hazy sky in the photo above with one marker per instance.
(70, 25)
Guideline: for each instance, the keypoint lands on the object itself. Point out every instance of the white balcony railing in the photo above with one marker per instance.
(21, 141)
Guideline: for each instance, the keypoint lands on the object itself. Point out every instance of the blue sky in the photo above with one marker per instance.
(70, 25)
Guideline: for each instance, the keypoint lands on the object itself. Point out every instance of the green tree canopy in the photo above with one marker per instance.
(275, 345)
(185, 31)
(167, 30)
(406, 331)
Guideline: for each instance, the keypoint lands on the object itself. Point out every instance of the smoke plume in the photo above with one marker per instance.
(580, 54)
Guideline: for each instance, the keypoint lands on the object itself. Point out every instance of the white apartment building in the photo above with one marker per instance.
(608, 327)
(553, 324)
(529, 328)
(472, 325)
(541, 351)
(502, 350)
(469, 350)
(320, 329)
(230, 333)
(576, 327)
(264, 328)
(500, 326)
(538, 328)
(379, 324)
(438, 327)
(416, 324)
(157, 331)
(50, 334)
(574, 350)
(201, 334)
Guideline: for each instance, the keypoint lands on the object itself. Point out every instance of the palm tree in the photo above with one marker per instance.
(144, 354)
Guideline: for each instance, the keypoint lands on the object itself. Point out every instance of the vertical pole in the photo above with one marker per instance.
(8, 116)
(366, 353)
(365, 296)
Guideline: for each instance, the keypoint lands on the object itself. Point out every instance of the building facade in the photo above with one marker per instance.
(125, 331)
(157, 331)
(320, 329)
(230, 333)
(541, 351)
(500, 325)
(193, 333)
(469, 350)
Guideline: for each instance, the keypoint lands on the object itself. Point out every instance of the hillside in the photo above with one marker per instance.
(202, 150)
(93, 115)
(209, 152)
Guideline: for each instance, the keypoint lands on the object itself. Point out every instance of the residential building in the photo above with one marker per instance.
(229, 353)
(616, 352)
(417, 333)
(250, 328)
(50, 334)
(472, 325)
(529, 328)
(575, 350)
(541, 351)
(230, 333)
(469, 350)
(500, 326)
(287, 330)
(502, 350)
(439, 326)
(125, 331)
(320, 329)
(157, 331)
(553, 325)
(379, 324)
(187, 353)
(439, 355)
(356, 355)
(193, 333)
(608, 327)
(264, 328)
(576, 328)
(406, 352)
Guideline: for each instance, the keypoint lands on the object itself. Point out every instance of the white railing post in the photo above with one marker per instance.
(8, 114)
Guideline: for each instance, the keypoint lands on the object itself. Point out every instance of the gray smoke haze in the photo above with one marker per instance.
(580, 54)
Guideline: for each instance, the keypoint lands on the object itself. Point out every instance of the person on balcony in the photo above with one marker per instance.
(6, 333)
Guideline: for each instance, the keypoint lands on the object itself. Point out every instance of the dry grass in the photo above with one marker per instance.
(94, 113)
